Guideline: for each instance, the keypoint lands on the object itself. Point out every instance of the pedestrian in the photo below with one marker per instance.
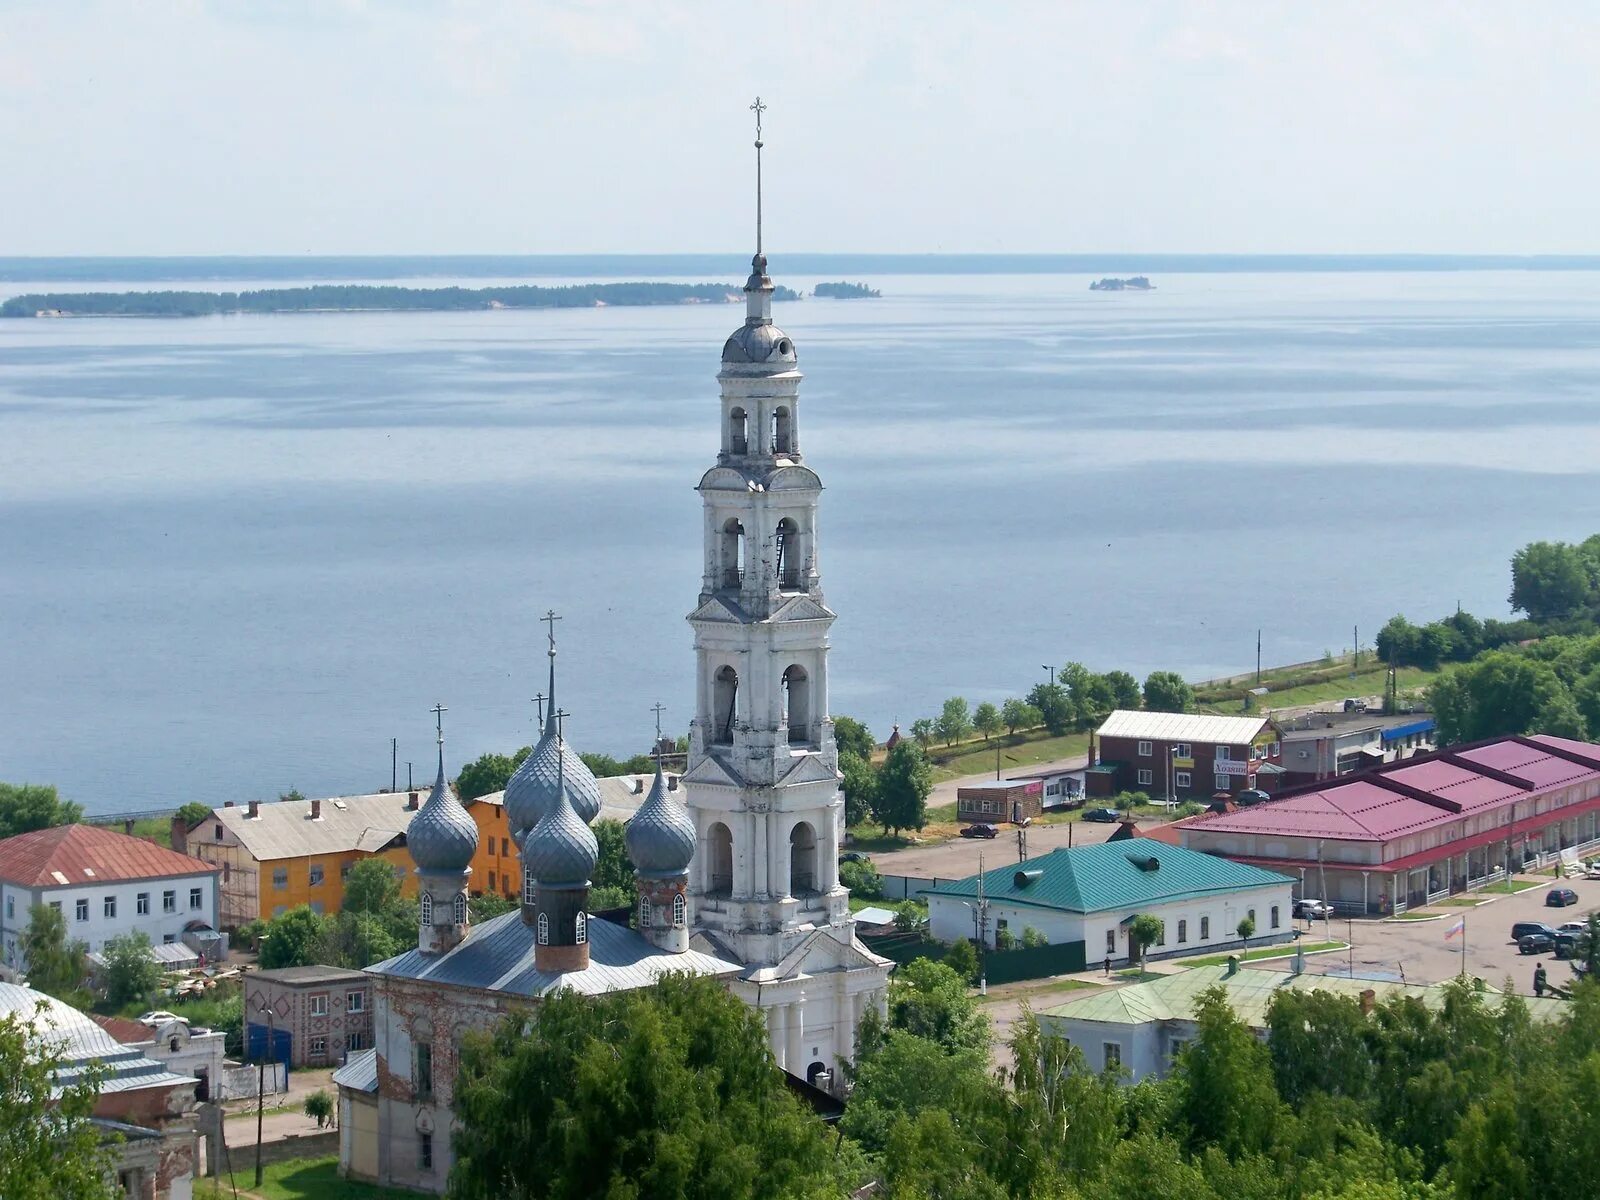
(1108, 965)
(1538, 980)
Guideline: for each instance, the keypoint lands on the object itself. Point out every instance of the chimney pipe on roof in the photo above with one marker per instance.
(227, 804)
(255, 809)
(127, 826)
(638, 786)
(411, 803)
(672, 783)
(316, 810)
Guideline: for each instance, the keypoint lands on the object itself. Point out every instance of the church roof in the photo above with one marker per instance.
(531, 792)
(82, 1045)
(498, 956)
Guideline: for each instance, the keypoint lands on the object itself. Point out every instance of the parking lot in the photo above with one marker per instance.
(1418, 951)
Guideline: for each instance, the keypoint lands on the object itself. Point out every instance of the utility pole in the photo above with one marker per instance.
(1258, 657)
(1355, 636)
(409, 784)
(261, 1082)
(1051, 671)
(981, 916)
(394, 764)
(997, 762)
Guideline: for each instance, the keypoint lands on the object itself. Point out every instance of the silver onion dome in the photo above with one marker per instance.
(552, 767)
(442, 836)
(560, 851)
(660, 838)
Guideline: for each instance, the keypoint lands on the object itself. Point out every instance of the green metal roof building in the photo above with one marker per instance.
(1091, 894)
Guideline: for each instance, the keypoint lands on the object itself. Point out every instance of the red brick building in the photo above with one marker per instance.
(997, 801)
(1183, 756)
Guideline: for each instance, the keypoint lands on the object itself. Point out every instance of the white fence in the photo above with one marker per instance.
(241, 1082)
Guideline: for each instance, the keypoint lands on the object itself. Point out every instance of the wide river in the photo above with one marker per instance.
(240, 554)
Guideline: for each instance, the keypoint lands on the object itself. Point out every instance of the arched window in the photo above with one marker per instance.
(797, 703)
(733, 552)
(1205, 929)
(425, 904)
(782, 431)
(680, 911)
(527, 885)
(544, 929)
(738, 442)
(719, 862)
(787, 545)
(1183, 932)
(581, 928)
(644, 912)
(460, 907)
(802, 860)
(724, 700)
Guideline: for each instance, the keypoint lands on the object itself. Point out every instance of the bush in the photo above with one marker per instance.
(862, 878)
(319, 1105)
(907, 916)
(1004, 939)
(1190, 808)
(1031, 938)
(963, 960)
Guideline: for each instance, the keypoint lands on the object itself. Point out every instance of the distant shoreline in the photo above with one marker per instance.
(239, 268)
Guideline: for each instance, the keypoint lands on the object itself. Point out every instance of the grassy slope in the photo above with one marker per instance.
(297, 1179)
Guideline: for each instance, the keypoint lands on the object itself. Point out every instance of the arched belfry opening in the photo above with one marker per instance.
(788, 551)
(719, 860)
(724, 704)
(733, 552)
(797, 703)
(802, 860)
(782, 431)
(738, 432)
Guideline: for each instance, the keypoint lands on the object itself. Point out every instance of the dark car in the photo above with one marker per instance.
(1103, 815)
(1249, 796)
(1560, 897)
(979, 831)
(1523, 928)
(1567, 944)
(1536, 943)
(852, 856)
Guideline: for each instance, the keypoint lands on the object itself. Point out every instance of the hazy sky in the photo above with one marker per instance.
(277, 127)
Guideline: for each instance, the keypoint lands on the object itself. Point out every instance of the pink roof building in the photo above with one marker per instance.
(1400, 834)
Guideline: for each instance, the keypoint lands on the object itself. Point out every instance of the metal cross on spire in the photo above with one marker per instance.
(655, 751)
(439, 711)
(549, 620)
(538, 700)
(758, 108)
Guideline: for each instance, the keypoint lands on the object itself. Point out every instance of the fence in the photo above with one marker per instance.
(240, 1083)
(906, 887)
(1000, 966)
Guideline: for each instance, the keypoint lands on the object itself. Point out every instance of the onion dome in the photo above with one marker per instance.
(551, 769)
(560, 851)
(757, 342)
(661, 837)
(442, 836)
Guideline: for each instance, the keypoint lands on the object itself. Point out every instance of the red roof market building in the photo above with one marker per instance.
(1409, 832)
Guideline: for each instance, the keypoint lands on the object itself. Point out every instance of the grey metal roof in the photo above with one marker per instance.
(759, 342)
(285, 829)
(81, 1043)
(309, 974)
(661, 837)
(620, 796)
(498, 956)
(442, 837)
(359, 1073)
(173, 956)
(1182, 727)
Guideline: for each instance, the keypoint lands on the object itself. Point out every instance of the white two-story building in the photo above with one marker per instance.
(105, 884)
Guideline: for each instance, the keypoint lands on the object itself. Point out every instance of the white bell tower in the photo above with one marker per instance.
(762, 779)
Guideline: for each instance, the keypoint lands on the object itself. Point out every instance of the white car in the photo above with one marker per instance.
(1572, 927)
(159, 1017)
(1312, 910)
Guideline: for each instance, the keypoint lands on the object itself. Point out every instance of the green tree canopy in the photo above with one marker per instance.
(131, 974)
(904, 781)
(930, 999)
(192, 813)
(860, 787)
(1166, 691)
(25, 807)
(1551, 579)
(1019, 714)
(853, 737)
(488, 773)
(1124, 687)
(294, 939)
(55, 965)
(665, 1092)
(955, 720)
(1499, 693)
(986, 719)
(1144, 931)
(49, 1150)
(1054, 706)
(371, 886)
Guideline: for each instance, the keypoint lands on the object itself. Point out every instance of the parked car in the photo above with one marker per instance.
(1523, 928)
(1104, 815)
(1536, 943)
(979, 831)
(852, 856)
(1313, 910)
(1249, 796)
(159, 1017)
(1560, 897)
(1566, 944)
(1572, 927)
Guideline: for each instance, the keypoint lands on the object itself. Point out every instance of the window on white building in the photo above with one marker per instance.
(580, 925)
(81, 910)
(109, 907)
(1111, 941)
(169, 901)
(1205, 929)
(11, 906)
(424, 1151)
(56, 904)
(1183, 932)
(1181, 779)
(424, 1071)
(1111, 1052)
(425, 909)
(319, 1004)
(680, 911)
(1274, 916)
(355, 1002)
(196, 898)
(1144, 749)
(1147, 777)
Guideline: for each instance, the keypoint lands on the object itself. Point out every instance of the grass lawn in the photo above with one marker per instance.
(1367, 683)
(1278, 951)
(1512, 887)
(1416, 915)
(975, 758)
(297, 1179)
(1459, 902)
(1054, 987)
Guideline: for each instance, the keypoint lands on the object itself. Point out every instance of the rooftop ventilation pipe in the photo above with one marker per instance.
(255, 808)
(1023, 878)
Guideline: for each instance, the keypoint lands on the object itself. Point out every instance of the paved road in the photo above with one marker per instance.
(240, 1122)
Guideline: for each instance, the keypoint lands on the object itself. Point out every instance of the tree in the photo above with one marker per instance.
(955, 720)
(615, 868)
(922, 732)
(1246, 930)
(292, 796)
(665, 1091)
(371, 886)
(1501, 692)
(131, 974)
(1055, 707)
(319, 1105)
(359, 939)
(294, 939)
(986, 719)
(1124, 689)
(488, 906)
(25, 807)
(1019, 714)
(859, 785)
(1549, 579)
(1091, 695)
(963, 959)
(1397, 642)
(862, 878)
(49, 1149)
(904, 781)
(192, 813)
(929, 999)
(55, 965)
(853, 737)
(1166, 691)
(1144, 931)
(485, 775)
(1226, 1092)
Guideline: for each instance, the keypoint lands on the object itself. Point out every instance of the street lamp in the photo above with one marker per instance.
(261, 1081)
(1049, 670)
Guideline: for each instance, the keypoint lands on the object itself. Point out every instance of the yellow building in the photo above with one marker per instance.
(278, 855)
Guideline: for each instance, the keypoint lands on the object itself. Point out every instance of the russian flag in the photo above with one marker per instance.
(1459, 927)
